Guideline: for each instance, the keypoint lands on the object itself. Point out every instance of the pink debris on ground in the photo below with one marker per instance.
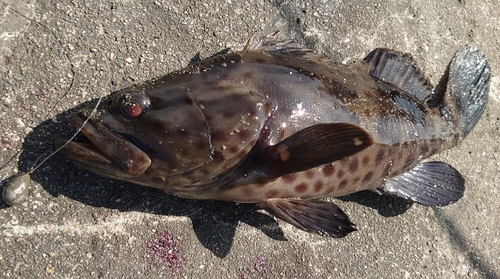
(258, 265)
(164, 249)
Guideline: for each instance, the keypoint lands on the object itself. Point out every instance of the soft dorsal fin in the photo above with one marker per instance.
(399, 70)
(270, 43)
(316, 216)
(430, 184)
(314, 146)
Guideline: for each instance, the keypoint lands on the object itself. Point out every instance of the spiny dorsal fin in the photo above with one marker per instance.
(270, 43)
(314, 146)
(399, 70)
(316, 216)
(430, 184)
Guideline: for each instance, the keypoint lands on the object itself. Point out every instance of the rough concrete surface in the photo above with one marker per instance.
(54, 56)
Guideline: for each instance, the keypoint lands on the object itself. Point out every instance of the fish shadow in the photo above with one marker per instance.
(385, 205)
(214, 222)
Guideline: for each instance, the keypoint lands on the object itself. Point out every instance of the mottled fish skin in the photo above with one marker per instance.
(221, 130)
(404, 132)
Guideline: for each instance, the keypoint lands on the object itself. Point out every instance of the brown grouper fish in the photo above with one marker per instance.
(280, 126)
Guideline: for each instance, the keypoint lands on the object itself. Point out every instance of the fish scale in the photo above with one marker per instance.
(280, 126)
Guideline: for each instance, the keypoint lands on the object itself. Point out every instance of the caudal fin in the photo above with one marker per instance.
(467, 87)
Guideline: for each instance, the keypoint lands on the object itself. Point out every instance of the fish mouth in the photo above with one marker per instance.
(104, 151)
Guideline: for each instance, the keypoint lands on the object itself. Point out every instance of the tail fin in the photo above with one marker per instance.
(468, 86)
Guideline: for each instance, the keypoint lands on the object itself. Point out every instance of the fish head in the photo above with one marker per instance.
(167, 137)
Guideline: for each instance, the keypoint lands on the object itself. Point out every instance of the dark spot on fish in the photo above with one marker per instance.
(217, 155)
(309, 173)
(318, 185)
(201, 146)
(328, 170)
(289, 178)
(175, 118)
(339, 90)
(233, 149)
(243, 135)
(342, 184)
(301, 188)
(188, 100)
(247, 191)
(424, 148)
(353, 166)
(340, 174)
(273, 194)
(260, 60)
(160, 179)
(380, 156)
(229, 113)
(250, 74)
(222, 87)
(236, 98)
(260, 185)
(219, 136)
(366, 160)
(368, 176)
(356, 179)
(400, 155)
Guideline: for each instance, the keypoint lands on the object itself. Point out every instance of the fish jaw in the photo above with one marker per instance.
(108, 153)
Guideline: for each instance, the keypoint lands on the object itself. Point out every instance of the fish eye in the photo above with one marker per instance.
(132, 109)
(133, 104)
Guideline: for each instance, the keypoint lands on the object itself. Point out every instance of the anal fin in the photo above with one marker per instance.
(314, 146)
(317, 216)
(399, 70)
(431, 184)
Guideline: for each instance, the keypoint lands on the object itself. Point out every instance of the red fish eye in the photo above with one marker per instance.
(132, 109)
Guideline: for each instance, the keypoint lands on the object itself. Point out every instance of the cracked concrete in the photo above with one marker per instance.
(54, 56)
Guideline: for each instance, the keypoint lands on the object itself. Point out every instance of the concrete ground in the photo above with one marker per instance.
(78, 225)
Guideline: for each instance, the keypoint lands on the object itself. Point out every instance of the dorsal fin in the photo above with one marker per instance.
(400, 70)
(270, 43)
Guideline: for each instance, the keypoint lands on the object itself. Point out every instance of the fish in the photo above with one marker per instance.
(277, 125)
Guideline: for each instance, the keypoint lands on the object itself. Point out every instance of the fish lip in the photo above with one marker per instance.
(108, 152)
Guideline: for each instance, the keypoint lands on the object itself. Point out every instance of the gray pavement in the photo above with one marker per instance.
(78, 225)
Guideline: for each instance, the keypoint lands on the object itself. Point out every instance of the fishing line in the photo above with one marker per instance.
(17, 190)
(81, 127)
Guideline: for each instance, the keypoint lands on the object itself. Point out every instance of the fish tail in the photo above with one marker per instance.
(462, 94)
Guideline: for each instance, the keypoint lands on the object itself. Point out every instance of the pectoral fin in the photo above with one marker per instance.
(315, 146)
(430, 184)
(317, 216)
